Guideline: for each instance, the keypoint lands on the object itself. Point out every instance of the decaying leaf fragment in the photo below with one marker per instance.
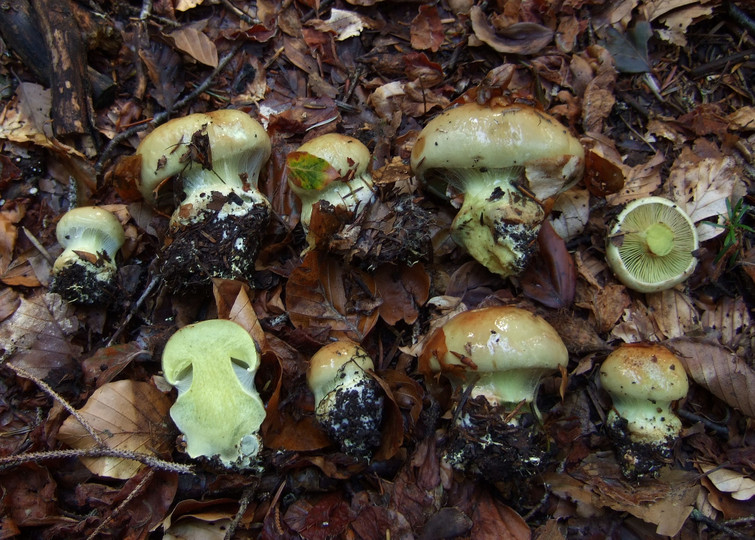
(519, 38)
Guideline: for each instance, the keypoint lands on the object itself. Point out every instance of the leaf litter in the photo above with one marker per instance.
(656, 91)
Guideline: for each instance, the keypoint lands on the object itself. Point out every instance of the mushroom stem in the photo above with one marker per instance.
(647, 421)
(659, 239)
(497, 224)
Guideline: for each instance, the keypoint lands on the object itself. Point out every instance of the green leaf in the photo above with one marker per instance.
(630, 51)
(308, 171)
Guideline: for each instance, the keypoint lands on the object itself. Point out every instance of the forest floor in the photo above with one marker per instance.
(659, 94)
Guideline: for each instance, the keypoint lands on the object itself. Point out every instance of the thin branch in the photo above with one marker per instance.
(136, 491)
(134, 308)
(151, 461)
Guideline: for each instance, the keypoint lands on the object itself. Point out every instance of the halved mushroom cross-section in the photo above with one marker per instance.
(212, 365)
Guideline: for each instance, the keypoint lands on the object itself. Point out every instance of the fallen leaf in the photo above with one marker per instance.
(673, 312)
(403, 290)
(309, 171)
(326, 299)
(640, 181)
(233, 302)
(519, 38)
(128, 415)
(427, 30)
(570, 213)
(552, 275)
(739, 486)
(38, 334)
(731, 318)
(196, 44)
(721, 372)
(344, 24)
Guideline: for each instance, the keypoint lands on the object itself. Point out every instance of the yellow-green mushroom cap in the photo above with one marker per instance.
(212, 364)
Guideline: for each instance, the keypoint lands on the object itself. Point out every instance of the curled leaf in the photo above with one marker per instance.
(519, 38)
(553, 283)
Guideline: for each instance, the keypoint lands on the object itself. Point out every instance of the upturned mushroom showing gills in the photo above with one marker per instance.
(212, 364)
(495, 358)
(348, 401)
(350, 159)
(505, 160)
(643, 380)
(217, 158)
(652, 245)
(84, 273)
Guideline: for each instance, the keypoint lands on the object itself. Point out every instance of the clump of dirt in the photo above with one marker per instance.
(79, 283)
(213, 246)
(638, 459)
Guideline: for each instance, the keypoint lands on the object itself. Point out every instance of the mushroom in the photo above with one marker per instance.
(348, 400)
(652, 245)
(84, 273)
(350, 159)
(215, 230)
(505, 160)
(212, 365)
(643, 380)
(495, 358)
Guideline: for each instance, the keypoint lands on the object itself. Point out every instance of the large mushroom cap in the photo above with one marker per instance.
(232, 134)
(343, 153)
(494, 339)
(473, 136)
(652, 245)
(645, 372)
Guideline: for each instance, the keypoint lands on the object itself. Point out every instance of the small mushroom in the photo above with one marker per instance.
(495, 358)
(505, 160)
(351, 160)
(215, 230)
(643, 380)
(84, 273)
(212, 365)
(348, 401)
(652, 245)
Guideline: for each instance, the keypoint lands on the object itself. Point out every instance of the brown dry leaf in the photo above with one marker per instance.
(403, 290)
(196, 44)
(637, 325)
(604, 170)
(607, 303)
(493, 519)
(128, 415)
(702, 188)
(678, 21)
(552, 275)
(641, 181)
(518, 38)
(739, 486)
(721, 372)
(325, 299)
(31, 492)
(9, 302)
(233, 302)
(27, 117)
(427, 30)
(38, 334)
(731, 318)
(185, 5)
(106, 363)
(8, 234)
(673, 312)
(742, 119)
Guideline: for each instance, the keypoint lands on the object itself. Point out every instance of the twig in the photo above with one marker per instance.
(57, 397)
(134, 308)
(713, 524)
(162, 116)
(721, 430)
(238, 12)
(151, 461)
(722, 64)
(246, 498)
(118, 509)
(39, 247)
(741, 17)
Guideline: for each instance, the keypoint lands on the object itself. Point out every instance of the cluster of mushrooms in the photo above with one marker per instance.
(505, 160)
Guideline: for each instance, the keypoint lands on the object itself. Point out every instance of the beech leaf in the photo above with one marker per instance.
(553, 283)
(721, 372)
(128, 415)
(196, 44)
(309, 171)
